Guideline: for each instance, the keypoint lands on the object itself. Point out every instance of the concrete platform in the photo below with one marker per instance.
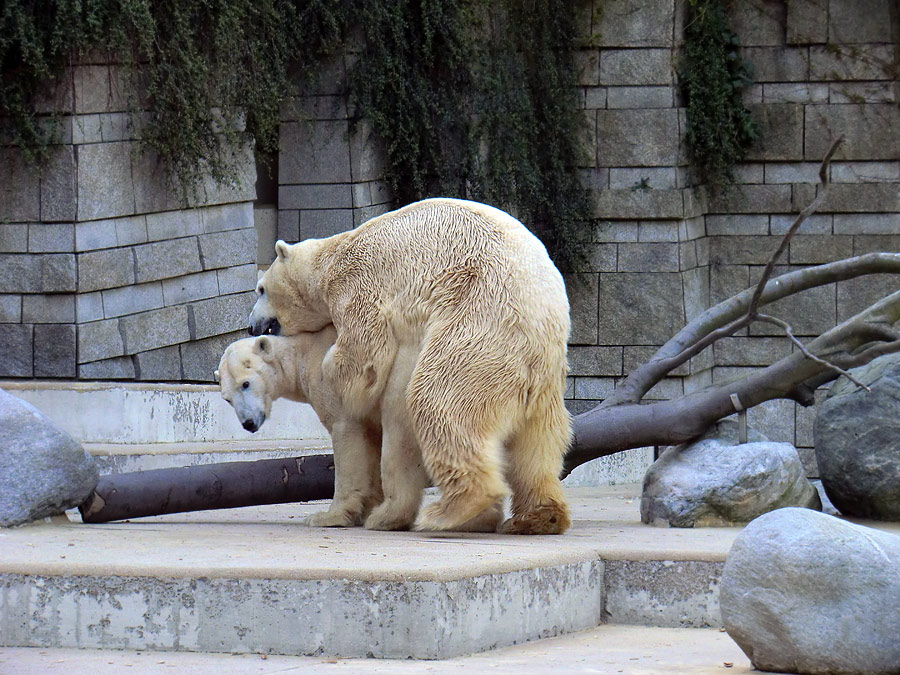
(258, 580)
(636, 650)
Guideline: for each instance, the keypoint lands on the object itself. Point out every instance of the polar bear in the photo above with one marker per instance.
(455, 308)
(254, 372)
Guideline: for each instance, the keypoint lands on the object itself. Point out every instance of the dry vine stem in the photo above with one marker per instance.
(622, 422)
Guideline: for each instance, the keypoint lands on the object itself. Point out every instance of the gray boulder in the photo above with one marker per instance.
(43, 470)
(716, 481)
(804, 592)
(857, 439)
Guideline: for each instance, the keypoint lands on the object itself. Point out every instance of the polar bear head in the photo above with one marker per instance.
(288, 299)
(248, 381)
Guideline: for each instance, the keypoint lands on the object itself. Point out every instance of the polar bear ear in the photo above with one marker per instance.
(282, 249)
(263, 347)
(216, 375)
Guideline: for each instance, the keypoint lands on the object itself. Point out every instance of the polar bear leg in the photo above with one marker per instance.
(357, 479)
(486, 521)
(534, 461)
(403, 476)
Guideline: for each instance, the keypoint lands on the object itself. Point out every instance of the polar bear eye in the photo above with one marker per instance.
(246, 385)
(262, 290)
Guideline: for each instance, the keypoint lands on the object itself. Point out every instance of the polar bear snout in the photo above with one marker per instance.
(251, 425)
(265, 326)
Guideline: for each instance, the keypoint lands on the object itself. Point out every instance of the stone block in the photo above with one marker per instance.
(860, 21)
(855, 295)
(638, 137)
(582, 290)
(58, 185)
(595, 98)
(810, 313)
(738, 224)
(20, 198)
(742, 250)
(189, 288)
(795, 92)
(862, 92)
(325, 222)
(105, 189)
(152, 192)
(636, 356)
(10, 309)
(633, 67)
(120, 368)
(648, 257)
(653, 204)
(200, 358)
(314, 152)
(844, 62)
(599, 258)
(54, 350)
(95, 234)
(86, 129)
(587, 67)
(55, 95)
(237, 279)
(615, 231)
(753, 199)
(807, 22)
(228, 217)
(227, 249)
(726, 281)
(17, 355)
(666, 389)
(51, 237)
(88, 307)
(780, 132)
(696, 292)
(654, 178)
(13, 237)
(132, 299)
(107, 268)
(99, 340)
(759, 23)
(749, 173)
(816, 249)
(57, 272)
(167, 259)
(116, 127)
(131, 231)
(221, 315)
(869, 198)
(750, 351)
(157, 328)
(322, 196)
(658, 231)
(367, 158)
(889, 243)
(173, 224)
(687, 252)
(99, 88)
(639, 97)
(818, 223)
(796, 172)
(55, 308)
(159, 365)
(778, 64)
(639, 308)
(288, 226)
(20, 273)
(592, 361)
(594, 388)
(870, 131)
(301, 108)
(863, 224)
(635, 23)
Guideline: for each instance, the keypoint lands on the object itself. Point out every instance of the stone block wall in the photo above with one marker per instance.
(104, 274)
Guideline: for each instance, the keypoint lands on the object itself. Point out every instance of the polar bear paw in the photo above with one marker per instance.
(333, 518)
(546, 519)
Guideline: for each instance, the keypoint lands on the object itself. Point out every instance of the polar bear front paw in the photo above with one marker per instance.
(330, 518)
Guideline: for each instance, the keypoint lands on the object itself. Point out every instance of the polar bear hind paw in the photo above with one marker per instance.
(546, 519)
(334, 518)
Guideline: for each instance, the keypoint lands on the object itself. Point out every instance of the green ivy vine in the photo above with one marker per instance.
(713, 77)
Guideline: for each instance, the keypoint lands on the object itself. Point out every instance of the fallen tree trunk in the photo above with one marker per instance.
(209, 486)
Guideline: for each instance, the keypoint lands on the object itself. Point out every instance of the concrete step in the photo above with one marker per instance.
(603, 649)
(258, 580)
(114, 458)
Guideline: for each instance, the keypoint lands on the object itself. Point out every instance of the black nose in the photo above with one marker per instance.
(270, 326)
(250, 425)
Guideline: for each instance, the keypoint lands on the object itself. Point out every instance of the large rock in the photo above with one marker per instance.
(804, 592)
(43, 470)
(716, 481)
(857, 439)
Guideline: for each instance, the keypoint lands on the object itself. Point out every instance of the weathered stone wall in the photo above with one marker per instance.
(103, 273)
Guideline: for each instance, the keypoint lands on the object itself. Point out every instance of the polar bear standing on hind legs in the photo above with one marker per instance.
(455, 307)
